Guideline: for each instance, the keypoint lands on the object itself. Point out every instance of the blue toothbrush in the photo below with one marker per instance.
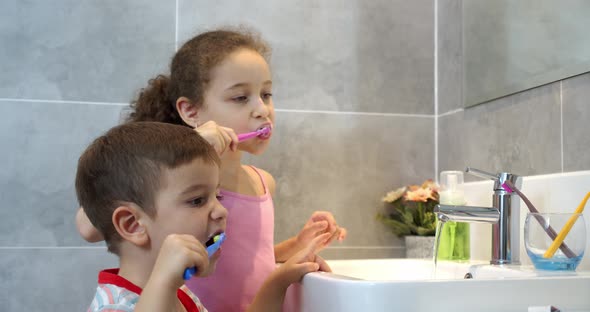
(211, 249)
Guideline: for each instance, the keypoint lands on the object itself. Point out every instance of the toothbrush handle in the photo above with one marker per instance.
(189, 272)
(247, 135)
(549, 230)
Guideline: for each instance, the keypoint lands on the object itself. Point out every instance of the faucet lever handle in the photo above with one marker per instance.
(481, 174)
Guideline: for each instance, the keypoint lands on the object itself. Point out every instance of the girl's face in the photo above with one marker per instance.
(239, 96)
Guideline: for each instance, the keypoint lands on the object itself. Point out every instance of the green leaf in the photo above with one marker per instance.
(425, 231)
(409, 218)
(398, 228)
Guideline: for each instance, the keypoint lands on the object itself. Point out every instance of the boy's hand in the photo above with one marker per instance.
(320, 222)
(178, 252)
(221, 138)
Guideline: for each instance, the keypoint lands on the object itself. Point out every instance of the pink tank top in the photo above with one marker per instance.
(247, 256)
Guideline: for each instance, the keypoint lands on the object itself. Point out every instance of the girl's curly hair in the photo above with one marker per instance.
(190, 72)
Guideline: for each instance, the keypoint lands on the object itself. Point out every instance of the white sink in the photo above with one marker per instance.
(412, 285)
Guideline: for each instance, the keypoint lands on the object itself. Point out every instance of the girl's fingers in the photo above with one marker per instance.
(343, 234)
(220, 137)
(221, 144)
(327, 216)
(318, 226)
(307, 267)
(316, 244)
(226, 139)
(323, 265)
(232, 138)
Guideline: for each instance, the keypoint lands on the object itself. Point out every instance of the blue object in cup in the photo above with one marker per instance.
(537, 240)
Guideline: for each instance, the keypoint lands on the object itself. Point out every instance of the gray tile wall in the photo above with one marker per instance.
(576, 114)
(537, 131)
(354, 92)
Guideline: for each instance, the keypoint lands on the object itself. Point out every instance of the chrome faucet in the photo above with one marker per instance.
(504, 216)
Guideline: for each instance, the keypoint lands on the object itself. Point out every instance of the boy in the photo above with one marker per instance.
(151, 189)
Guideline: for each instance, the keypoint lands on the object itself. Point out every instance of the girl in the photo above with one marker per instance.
(220, 83)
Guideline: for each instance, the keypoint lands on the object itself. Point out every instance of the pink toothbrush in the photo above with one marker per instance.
(248, 135)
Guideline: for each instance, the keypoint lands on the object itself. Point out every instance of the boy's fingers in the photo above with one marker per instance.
(201, 263)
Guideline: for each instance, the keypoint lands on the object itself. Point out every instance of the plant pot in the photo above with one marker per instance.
(419, 246)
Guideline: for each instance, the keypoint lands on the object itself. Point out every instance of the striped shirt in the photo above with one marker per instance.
(116, 294)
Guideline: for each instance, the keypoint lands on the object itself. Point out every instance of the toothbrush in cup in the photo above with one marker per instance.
(260, 132)
(510, 187)
(212, 246)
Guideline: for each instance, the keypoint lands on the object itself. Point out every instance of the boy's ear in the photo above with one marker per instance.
(187, 111)
(129, 223)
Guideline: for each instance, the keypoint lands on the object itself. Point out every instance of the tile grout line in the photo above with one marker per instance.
(304, 111)
(436, 90)
(561, 119)
(277, 110)
(63, 102)
(48, 247)
(452, 112)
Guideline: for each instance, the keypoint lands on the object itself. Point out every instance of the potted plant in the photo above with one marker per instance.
(409, 213)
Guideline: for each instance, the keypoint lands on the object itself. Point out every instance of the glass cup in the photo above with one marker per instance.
(540, 229)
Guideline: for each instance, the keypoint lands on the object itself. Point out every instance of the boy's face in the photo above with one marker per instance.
(239, 96)
(187, 203)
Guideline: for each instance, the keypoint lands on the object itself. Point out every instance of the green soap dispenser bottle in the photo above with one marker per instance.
(454, 236)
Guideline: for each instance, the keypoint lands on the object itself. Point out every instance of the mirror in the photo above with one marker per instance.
(510, 46)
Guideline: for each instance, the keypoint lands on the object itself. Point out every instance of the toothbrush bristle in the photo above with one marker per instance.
(507, 188)
(265, 130)
(211, 241)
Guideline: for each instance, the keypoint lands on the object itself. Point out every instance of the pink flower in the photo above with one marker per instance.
(420, 194)
(430, 185)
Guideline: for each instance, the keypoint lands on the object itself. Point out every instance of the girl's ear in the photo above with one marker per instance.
(187, 111)
(129, 223)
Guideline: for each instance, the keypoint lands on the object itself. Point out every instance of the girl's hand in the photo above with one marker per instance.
(221, 138)
(303, 262)
(320, 222)
(271, 294)
(178, 252)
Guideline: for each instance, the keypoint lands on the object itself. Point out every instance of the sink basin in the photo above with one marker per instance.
(412, 285)
(420, 270)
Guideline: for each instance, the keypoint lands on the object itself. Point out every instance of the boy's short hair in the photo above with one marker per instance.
(125, 166)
